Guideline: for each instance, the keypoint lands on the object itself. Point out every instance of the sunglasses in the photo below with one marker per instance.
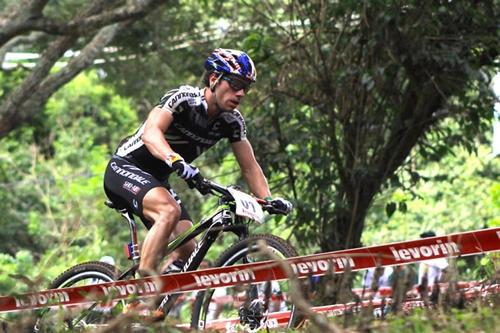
(237, 84)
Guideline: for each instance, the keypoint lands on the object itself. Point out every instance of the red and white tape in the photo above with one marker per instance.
(460, 244)
(277, 319)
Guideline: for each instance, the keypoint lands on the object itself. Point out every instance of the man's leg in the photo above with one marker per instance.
(161, 208)
(184, 251)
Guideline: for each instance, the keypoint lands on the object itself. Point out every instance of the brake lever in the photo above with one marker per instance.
(264, 204)
(203, 186)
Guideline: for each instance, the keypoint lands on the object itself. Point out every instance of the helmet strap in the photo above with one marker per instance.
(212, 89)
(213, 84)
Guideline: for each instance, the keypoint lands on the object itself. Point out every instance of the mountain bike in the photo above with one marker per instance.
(234, 212)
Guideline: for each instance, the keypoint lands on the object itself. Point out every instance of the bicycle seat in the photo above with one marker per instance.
(116, 206)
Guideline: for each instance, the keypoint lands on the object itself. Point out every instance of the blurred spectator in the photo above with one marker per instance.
(384, 279)
(217, 302)
(108, 260)
(277, 302)
(431, 271)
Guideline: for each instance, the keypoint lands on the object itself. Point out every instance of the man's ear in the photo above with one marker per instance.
(213, 78)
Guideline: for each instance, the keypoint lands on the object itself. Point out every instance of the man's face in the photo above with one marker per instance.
(230, 90)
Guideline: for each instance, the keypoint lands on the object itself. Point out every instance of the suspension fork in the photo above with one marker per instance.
(243, 233)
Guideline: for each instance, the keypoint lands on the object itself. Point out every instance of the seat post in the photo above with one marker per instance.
(134, 245)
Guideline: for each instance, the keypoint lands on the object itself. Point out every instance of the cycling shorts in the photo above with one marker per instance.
(126, 185)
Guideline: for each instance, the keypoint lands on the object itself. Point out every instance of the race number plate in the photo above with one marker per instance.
(247, 206)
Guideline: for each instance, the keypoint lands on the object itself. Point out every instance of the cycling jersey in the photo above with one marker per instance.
(190, 134)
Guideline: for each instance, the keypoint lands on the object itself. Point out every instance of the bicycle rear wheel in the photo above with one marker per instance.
(220, 308)
(78, 317)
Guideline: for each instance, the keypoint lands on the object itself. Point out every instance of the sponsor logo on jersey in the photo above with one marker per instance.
(181, 96)
(132, 143)
(193, 136)
(131, 187)
(130, 175)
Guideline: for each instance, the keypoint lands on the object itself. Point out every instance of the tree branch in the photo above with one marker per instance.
(24, 102)
(84, 59)
(11, 110)
(19, 40)
(36, 7)
(81, 25)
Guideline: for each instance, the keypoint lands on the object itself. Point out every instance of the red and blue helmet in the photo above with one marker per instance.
(227, 61)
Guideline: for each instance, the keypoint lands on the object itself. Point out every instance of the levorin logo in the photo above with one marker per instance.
(439, 249)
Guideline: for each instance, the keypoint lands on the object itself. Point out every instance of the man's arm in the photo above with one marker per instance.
(157, 123)
(250, 169)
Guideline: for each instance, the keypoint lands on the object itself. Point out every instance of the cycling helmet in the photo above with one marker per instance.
(227, 61)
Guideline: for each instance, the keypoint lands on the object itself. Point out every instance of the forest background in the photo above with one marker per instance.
(373, 117)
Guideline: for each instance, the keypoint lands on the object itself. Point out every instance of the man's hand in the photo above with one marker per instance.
(279, 206)
(185, 170)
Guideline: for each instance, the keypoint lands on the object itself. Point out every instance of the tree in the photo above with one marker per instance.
(360, 86)
(54, 30)
(51, 192)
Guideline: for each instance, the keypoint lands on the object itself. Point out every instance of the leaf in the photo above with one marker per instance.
(403, 208)
(390, 208)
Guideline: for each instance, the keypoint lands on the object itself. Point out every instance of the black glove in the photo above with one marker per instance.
(278, 206)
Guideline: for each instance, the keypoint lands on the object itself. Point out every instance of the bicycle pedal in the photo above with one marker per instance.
(143, 311)
(175, 267)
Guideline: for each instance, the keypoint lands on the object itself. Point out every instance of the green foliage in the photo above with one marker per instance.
(454, 195)
(474, 319)
(54, 203)
(12, 268)
(363, 87)
(341, 86)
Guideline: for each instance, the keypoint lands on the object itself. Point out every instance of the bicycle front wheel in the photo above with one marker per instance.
(77, 318)
(223, 306)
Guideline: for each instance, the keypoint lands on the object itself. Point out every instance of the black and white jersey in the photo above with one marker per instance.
(190, 134)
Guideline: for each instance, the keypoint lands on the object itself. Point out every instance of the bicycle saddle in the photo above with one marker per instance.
(118, 207)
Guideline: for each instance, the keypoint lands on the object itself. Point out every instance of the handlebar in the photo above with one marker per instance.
(205, 186)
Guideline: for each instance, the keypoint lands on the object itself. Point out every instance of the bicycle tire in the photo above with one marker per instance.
(95, 272)
(231, 256)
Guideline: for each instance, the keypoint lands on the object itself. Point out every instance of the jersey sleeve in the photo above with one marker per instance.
(166, 102)
(178, 100)
(237, 130)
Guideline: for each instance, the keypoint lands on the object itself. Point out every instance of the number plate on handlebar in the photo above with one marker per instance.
(247, 206)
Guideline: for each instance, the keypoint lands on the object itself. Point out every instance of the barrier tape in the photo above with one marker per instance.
(460, 244)
(279, 319)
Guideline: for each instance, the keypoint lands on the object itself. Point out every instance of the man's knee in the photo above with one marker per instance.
(168, 213)
(159, 206)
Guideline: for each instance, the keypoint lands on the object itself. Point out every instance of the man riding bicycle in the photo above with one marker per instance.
(185, 123)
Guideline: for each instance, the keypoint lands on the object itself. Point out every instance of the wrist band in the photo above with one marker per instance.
(268, 198)
(172, 158)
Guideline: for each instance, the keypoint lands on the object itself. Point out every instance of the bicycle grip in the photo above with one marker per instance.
(200, 183)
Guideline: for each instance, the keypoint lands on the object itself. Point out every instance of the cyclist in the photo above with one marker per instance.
(186, 122)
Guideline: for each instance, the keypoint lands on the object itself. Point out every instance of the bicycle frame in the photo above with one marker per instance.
(221, 219)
